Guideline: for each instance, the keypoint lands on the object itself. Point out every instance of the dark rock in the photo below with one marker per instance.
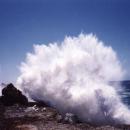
(11, 96)
(70, 118)
(38, 103)
(59, 118)
(26, 118)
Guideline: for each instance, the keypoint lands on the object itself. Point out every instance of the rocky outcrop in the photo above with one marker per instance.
(67, 118)
(16, 113)
(45, 118)
(11, 96)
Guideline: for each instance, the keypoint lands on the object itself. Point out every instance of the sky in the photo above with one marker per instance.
(24, 23)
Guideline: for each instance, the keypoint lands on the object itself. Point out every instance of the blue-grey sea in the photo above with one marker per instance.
(125, 94)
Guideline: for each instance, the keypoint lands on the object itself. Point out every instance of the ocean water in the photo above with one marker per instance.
(125, 93)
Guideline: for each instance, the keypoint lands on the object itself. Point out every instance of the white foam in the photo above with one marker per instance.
(74, 77)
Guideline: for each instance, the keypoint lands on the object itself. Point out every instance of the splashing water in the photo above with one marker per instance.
(74, 77)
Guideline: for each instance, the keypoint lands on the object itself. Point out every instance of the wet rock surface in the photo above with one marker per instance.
(16, 113)
(44, 118)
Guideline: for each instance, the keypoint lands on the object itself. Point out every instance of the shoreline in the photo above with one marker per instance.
(36, 117)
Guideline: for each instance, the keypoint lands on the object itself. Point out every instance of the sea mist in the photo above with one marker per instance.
(74, 76)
